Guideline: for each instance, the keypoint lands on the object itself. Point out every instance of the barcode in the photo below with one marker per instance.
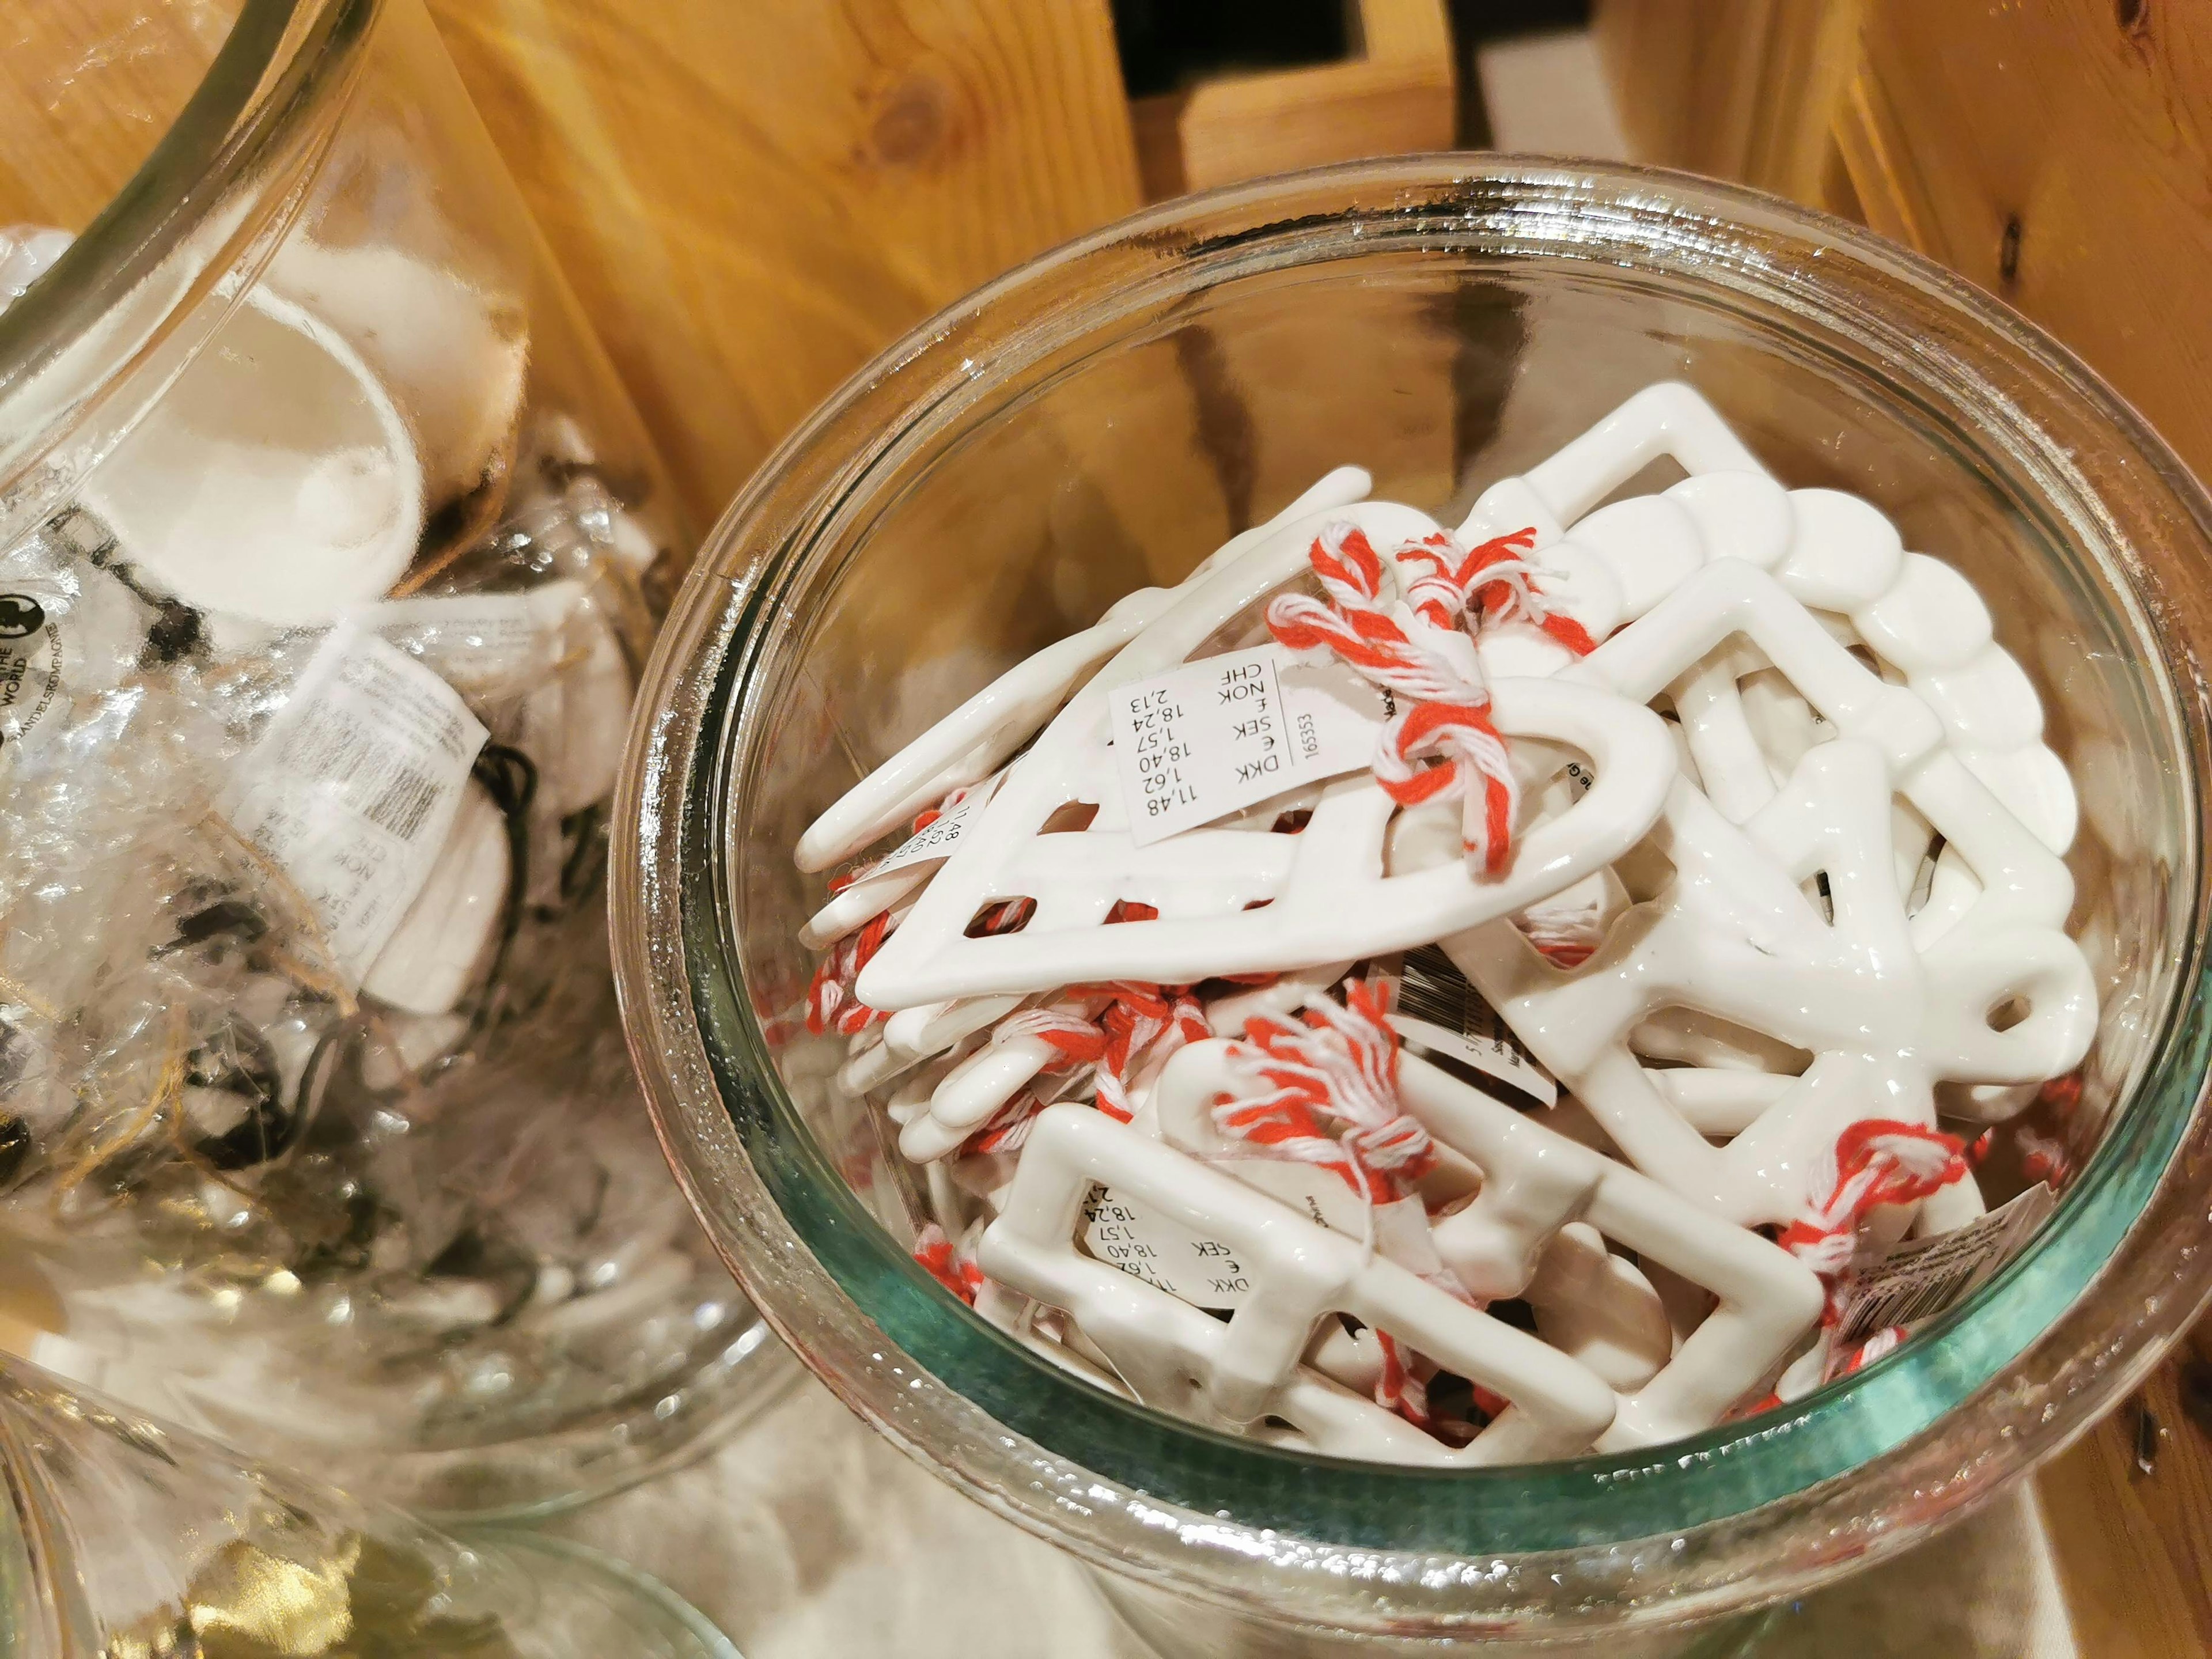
(1900, 1304)
(1910, 1282)
(1433, 988)
(402, 804)
(1448, 1022)
(370, 774)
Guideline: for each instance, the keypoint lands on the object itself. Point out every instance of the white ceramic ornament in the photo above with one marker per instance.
(972, 741)
(1832, 551)
(1919, 619)
(447, 937)
(1174, 1357)
(1735, 937)
(454, 355)
(1242, 900)
(575, 721)
(1531, 1186)
(1536, 1229)
(277, 480)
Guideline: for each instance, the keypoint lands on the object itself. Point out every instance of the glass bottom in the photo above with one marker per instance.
(524, 1468)
(587, 1605)
(542, 1475)
(1174, 1627)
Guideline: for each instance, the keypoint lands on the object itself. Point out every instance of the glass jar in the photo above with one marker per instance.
(332, 547)
(128, 1538)
(1102, 418)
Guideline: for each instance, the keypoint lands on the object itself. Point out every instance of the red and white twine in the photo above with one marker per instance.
(1442, 745)
(1493, 578)
(1876, 1162)
(1112, 1030)
(1566, 936)
(1339, 1069)
(831, 1004)
(947, 1264)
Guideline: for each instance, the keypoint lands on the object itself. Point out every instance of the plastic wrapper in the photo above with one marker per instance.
(317, 1117)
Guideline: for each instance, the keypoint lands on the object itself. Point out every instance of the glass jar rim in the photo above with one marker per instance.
(228, 164)
(1171, 1498)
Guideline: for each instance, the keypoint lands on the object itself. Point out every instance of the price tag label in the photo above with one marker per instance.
(1161, 1252)
(937, 839)
(352, 789)
(1439, 1012)
(1210, 738)
(478, 643)
(1905, 1283)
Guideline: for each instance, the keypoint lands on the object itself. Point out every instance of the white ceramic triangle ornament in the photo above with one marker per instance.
(1236, 900)
(967, 744)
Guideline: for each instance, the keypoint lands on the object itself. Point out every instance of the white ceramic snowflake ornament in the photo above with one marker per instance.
(1832, 551)
(2002, 997)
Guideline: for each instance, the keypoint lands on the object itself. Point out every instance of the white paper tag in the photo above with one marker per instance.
(941, 835)
(477, 641)
(1127, 1233)
(353, 788)
(30, 665)
(1903, 1282)
(1438, 1011)
(1161, 1252)
(1212, 737)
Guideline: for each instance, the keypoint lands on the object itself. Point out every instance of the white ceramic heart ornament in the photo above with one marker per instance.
(1227, 900)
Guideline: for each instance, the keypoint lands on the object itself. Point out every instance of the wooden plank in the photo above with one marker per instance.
(2060, 156)
(1396, 97)
(1884, 179)
(750, 200)
(2134, 1549)
(1684, 75)
(2065, 154)
(86, 89)
(1742, 89)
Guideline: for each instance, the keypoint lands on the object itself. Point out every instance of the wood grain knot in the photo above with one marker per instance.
(913, 123)
(2194, 1387)
(2009, 251)
(2134, 15)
